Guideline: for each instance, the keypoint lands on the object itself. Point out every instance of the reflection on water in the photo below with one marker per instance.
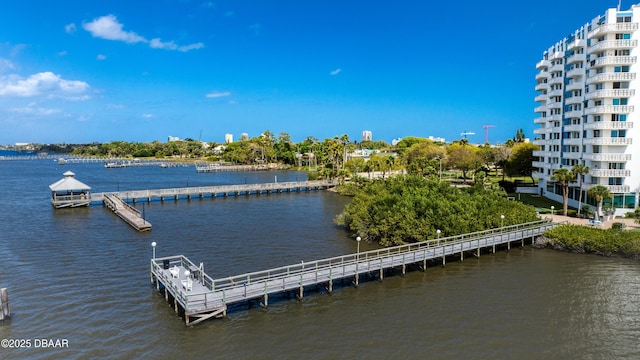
(83, 275)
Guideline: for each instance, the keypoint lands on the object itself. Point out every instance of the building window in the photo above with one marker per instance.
(621, 68)
(618, 133)
(615, 181)
(623, 36)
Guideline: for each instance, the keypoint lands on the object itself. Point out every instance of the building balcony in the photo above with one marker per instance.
(612, 45)
(576, 44)
(575, 73)
(540, 164)
(540, 109)
(609, 125)
(542, 86)
(609, 109)
(540, 131)
(576, 85)
(542, 98)
(615, 76)
(543, 64)
(556, 80)
(618, 189)
(609, 173)
(540, 120)
(573, 127)
(556, 68)
(557, 92)
(612, 28)
(572, 155)
(611, 93)
(542, 154)
(555, 105)
(542, 75)
(574, 100)
(576, 58)
(613, 60)
(573, 114)
(610, 157)
(574, 141)
(608, 141)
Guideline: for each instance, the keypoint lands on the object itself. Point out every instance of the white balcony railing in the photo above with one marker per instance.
(604, 125)
(613, 44)
(541, 98)
(607, 28)
(573, 127)
(542, 75)
(542, 86)
(573, 114)
(577, 43)
(609, 109)
(611, 157)
(611, 93)
(540, 109)
(575, 73)
(614, 60)
(608, 141)
(576, 85)
(609, 173)
(542, 64)
(615, 76)
(575, 141)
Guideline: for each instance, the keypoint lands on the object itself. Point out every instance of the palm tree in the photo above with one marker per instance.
(580, 170)
(599, 193)
(564, 177)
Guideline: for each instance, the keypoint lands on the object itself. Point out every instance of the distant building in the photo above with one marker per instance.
(228, 138)
(395, 142)
(366, 135)
(437, 139)
(244, 136)
(173, 138)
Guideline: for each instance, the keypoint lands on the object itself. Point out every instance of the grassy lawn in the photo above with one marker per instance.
(542, 204)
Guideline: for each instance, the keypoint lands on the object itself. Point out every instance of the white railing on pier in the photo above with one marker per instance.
(221, 189)
(216, 293)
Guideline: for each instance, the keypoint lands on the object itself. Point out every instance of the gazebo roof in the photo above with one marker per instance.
(68, 183)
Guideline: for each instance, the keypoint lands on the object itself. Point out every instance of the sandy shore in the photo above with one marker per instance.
(629, 223)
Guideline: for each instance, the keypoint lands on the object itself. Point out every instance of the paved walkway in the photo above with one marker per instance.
(629, 223)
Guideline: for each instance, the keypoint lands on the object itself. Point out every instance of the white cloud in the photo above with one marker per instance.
(158, 44)
(336, 72)
(62, 53)
(101, 57)
(6, 65)
(70, 28)
(107, 27)
(39, 111)
(45, 84)
(147, 116)
(218, 94)
(194, 46)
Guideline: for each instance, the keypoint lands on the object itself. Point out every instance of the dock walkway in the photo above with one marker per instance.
(215, 191)
(126, 212)
(202, 297)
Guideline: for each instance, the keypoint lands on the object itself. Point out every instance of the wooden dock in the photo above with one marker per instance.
(126, 212)
(216, 191)
(201, 297)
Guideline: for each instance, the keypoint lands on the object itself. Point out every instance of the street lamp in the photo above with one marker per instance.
(357, 258)
(501, 221)
(438, 232)
(552, 208)
(153, 245)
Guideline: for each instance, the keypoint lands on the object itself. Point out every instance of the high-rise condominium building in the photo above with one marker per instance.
(588, 90)
(366, 135)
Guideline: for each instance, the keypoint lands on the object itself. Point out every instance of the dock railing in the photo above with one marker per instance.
(223, 291)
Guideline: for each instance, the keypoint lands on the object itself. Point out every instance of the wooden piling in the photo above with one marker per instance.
(4, 304)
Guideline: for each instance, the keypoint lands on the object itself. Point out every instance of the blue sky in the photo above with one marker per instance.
(84, 71)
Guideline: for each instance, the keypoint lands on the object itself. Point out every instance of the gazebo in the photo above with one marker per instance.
(69, 192)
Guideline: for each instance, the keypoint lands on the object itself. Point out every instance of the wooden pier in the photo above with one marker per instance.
(200, 297)
(216, 191)
(126, 212)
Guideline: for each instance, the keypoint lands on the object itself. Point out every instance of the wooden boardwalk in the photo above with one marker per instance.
(215, 191)
(201, 297)
(126, 212)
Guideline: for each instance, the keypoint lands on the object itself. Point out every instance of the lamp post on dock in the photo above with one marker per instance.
(357, 258)
(438, 233)
(153, 245)
(552, 208)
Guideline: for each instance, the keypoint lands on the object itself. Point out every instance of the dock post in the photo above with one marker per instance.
(404, 269)
(4, 304)
(330, 286)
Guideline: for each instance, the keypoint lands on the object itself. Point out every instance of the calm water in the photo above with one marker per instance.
(82, 275)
